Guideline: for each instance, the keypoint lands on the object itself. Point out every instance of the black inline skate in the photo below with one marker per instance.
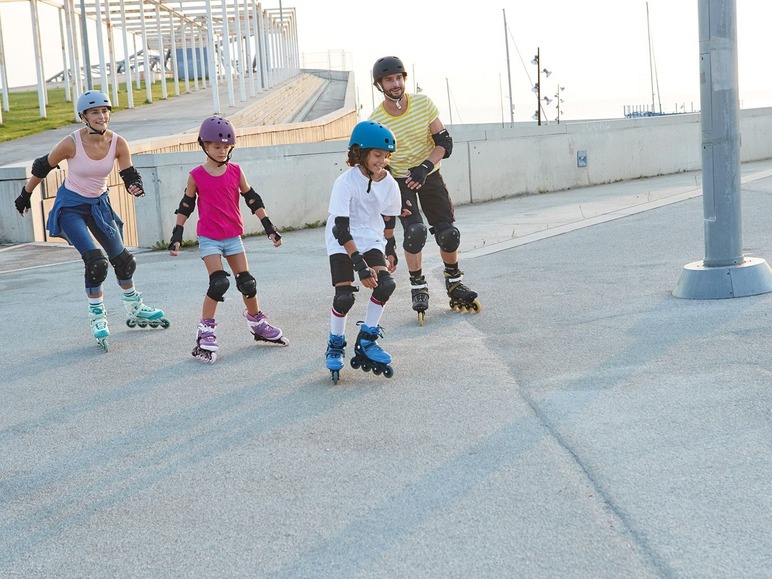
(420, 294)
(462, 299)
(370, 356)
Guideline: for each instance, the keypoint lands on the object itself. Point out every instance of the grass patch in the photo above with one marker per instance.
(23, 118)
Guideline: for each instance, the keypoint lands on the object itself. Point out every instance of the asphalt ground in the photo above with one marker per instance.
(585, 423)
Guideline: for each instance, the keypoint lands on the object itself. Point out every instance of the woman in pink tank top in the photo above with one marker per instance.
(82, 211)
(217, 185)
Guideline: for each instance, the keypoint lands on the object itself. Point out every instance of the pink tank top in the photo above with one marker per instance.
(87, 176)
(219, 216)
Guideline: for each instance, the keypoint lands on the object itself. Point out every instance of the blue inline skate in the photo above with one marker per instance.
(336, 352)
(370, 356)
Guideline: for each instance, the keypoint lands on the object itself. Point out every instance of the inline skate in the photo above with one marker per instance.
(206, 341)
(420, 294)
(368, 355)
(336, 351)
(263, 331)
(138, 314)
(462, 299)
(98, 316)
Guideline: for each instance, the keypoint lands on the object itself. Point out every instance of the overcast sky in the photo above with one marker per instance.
(598, 50)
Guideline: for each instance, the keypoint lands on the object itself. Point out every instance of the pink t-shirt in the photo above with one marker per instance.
(87, 176)
(219, 216)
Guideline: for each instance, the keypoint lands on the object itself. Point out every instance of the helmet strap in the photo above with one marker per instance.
(219, 163)
(395, 101)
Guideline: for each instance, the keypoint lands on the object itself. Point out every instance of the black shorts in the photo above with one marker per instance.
(432, 198)
(342, 269)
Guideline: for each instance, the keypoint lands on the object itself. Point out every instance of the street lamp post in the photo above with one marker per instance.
(559, 99)
(537, 88)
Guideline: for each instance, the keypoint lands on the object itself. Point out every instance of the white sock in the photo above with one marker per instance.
(337, 323)
(374, 312)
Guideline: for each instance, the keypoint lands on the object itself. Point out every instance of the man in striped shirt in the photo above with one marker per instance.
(422, 143)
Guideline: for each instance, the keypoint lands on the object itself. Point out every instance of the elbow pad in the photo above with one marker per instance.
(253, 200)
(390, 222)
(444, 140)
(187, 205)
(41, 168)
(341, 230)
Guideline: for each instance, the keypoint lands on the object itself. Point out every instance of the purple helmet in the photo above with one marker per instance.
(217, 129)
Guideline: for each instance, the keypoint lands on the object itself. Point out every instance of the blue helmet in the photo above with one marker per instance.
(372, 135)
(91, 99)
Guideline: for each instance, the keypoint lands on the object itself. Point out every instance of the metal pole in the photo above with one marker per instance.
(725, 272)
(538, 86)
(86, 55)
(509, 73)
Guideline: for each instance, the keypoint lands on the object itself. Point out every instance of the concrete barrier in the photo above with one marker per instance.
(488, 162)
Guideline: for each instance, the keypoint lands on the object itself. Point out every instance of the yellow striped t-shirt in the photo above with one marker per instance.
(411, 131)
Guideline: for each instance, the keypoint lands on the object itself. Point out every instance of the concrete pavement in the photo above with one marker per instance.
(584, 424)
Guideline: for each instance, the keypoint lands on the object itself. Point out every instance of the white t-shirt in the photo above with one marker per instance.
(365, 210)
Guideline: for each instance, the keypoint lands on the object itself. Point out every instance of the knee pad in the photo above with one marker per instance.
(96, 267)
(415, 237)
(386, 287)
(448, 237)
(218, 285)
(344, 298)
(124, 264)
(246, 284)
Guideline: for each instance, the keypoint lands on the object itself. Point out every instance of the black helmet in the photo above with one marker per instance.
(386, 66)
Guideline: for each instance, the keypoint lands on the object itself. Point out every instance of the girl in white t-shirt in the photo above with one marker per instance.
(364, 205)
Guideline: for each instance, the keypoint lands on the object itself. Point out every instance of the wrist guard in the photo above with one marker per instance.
(269, 228)
(360, 266)
(131, 177)
(176, 236)
(22, 202)
(391, 249)
(419, 173)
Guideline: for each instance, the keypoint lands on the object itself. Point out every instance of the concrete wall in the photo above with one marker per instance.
(488, 162)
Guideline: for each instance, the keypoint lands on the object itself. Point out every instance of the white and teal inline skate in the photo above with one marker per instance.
(336, 352)
(370, 356)
(139, 314)
(98, 316)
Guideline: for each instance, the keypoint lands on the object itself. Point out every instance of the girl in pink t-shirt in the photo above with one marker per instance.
(217, 185)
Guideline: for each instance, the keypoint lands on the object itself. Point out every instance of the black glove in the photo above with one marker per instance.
(391, 249)
(418, 174)
(360, 266)
(23, 201)
(269, 228)
(176, 236)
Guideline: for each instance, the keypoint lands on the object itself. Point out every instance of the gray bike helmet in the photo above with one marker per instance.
(91, 99)
(216, 129)
(372, 135)
(386, 66)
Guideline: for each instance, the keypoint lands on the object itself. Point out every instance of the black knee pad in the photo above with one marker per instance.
(246, 284)
(218, 285)
(415, 237)
(96, 267)
(386, 287)
(448, 237)
(124, 264)
(344, 298)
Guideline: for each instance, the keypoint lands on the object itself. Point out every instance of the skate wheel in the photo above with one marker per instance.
(283, 341)
(388, 372)
(154, 324)
(476, 306)
(377, 370)
(354, 363)
(102, 342)
(142, 323)
(131, 322)
(420, 318)
(365, 366)
(165, 323)
(334, 376)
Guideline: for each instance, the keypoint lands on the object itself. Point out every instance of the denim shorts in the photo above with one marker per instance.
(225, 247)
